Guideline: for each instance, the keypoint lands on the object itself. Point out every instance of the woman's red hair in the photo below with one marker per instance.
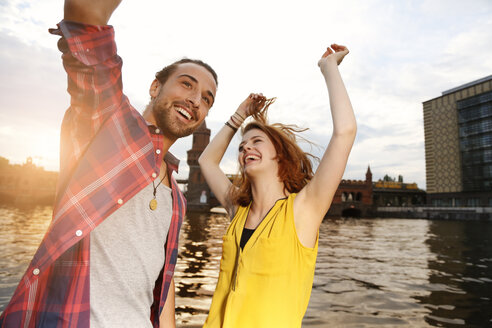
(294, 167)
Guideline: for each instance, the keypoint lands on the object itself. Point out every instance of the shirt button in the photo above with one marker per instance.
(120, 201)
(157, 131)
(158, 151)
(78, 233)
(35, 271)
(154, 175)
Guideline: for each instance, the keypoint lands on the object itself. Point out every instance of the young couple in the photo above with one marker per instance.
(108, 257)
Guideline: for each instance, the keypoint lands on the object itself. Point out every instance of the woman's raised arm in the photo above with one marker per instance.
(314, 200)
(212, 155)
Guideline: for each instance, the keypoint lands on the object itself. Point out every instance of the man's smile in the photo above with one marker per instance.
(184, 112)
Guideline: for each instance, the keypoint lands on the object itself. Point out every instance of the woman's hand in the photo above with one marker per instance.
(210, 158)
(251, 105)
(332, 55)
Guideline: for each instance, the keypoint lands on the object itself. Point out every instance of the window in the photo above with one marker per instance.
(446, 202)
(457, 202)
(473, 202)
(436, 202)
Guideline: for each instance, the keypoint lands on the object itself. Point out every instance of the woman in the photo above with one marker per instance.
(269, 250)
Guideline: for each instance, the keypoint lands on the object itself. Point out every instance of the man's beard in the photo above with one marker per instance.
(170, 126)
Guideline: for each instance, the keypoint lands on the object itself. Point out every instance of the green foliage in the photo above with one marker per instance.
(388, 178)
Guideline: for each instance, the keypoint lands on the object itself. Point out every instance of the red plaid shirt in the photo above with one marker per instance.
(108, 154)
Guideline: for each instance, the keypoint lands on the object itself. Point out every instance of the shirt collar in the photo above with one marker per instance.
(171, 161)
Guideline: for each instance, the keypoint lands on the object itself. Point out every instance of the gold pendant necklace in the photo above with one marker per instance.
(153, 204)
(153, 201)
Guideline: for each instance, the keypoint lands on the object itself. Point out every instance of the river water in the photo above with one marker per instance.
(369, 272)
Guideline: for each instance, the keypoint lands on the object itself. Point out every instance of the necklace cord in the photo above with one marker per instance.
(155, 187)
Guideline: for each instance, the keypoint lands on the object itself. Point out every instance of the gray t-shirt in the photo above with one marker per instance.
(127, 254)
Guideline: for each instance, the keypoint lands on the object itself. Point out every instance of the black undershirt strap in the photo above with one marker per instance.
(245, 236)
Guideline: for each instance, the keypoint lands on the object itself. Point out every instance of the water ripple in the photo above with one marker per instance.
(369, 272)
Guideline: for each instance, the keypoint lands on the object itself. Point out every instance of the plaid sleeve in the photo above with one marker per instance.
(94, 83)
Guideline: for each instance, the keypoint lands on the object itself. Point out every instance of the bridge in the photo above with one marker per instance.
(353, 198)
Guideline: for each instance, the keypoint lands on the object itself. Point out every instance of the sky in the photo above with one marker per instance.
(402, 53)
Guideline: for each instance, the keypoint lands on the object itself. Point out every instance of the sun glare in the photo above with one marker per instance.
(45, 151)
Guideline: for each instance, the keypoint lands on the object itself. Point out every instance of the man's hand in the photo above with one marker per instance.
(94, 12)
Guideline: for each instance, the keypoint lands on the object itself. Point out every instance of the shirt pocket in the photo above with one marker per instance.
(228, 259)
(269, 257)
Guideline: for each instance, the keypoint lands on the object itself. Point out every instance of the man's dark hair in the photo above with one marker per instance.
(164, 74)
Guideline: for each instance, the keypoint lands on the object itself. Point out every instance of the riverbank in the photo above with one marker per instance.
(436, 213)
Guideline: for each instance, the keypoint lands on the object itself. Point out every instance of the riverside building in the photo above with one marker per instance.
(458, 146)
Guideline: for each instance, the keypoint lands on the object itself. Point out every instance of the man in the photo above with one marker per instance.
(108, 257)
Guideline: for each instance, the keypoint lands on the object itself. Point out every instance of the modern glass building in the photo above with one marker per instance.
(458, 146)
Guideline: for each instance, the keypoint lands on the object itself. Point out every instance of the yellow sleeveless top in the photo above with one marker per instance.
(269, 282)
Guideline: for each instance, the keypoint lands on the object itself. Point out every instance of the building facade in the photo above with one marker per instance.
(458, 146)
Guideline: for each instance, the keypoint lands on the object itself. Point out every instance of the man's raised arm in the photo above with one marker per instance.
(94, 74)
(94, 12)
